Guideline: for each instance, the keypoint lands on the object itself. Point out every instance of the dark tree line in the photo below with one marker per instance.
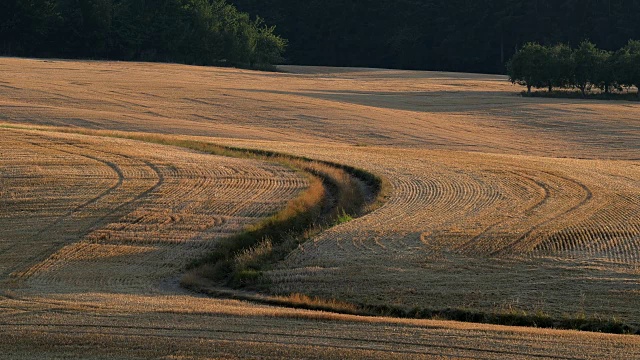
(585, 67)
(456, 35)
(188, 31)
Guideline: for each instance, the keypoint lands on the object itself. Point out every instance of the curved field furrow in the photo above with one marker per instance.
(169, 208)
(608, 234)
(89, 202)
(73, 216)
(607, 229)
(14, 167)
(528, 241)
(120, 206)
(447, 216)
(519, 197)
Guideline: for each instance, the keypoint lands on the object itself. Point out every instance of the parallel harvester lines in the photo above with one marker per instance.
(66, 216)
(486, 236)
(493, 193)
(412, 200)
(477, 216)
(472, 194)
(159, 218)
(101, 220)
(241, 208)
(92, 201)
(111, 215)
(603, 236)
(528, 241)
(447, 208)
(612, 228)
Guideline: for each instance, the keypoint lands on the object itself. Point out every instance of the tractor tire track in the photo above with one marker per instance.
(526, 239)
(471, 245)
(42, 254)
(23, 271)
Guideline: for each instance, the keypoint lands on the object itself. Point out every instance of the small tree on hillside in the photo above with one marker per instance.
(605, 77)
(628, 65)
(587, 59)
(528, 66)
(559, 66)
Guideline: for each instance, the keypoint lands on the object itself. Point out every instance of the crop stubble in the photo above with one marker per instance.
(481, 231)
(156, 208)
(497, 201)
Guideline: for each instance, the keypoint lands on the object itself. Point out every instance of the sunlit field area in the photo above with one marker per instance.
(493, 203)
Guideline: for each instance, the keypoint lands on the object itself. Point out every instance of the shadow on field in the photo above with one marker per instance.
(422, 101)
(578, 121)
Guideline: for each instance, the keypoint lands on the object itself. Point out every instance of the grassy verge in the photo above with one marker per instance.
(569, 94)
(333, 196)
(504, 317)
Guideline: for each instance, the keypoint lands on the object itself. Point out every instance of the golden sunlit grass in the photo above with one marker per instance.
(311, 105)
(494, 202)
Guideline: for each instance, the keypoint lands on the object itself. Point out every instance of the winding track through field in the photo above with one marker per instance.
(39, 311)
(576, 219)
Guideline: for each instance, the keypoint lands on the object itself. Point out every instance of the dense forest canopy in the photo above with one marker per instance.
(456, 35)
(187, 31)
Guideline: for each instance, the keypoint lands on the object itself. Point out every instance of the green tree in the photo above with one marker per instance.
(587, 59)
(559, 67)
(189, 31)
(268, 46)
(26, 26)
(529, 66)
(605, 77)
(456, 35)
(627, 65)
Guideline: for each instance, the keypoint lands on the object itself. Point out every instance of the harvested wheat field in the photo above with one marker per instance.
(494, 203)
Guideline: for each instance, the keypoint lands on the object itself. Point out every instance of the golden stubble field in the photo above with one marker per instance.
(497, 202)
(85, 214)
